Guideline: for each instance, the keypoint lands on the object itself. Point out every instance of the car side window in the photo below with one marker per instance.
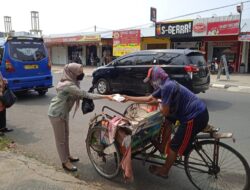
(179, 60)
(126, 61)
(145, 60)
(172, 58)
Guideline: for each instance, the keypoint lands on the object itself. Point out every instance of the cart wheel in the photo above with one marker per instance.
(106, 162)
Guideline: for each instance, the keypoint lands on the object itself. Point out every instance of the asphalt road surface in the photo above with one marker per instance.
(33, 133)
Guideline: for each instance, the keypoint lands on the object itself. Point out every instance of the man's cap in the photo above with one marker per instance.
(155, 73)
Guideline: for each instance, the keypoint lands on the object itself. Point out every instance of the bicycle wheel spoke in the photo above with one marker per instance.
(231, 172)
(106, 165)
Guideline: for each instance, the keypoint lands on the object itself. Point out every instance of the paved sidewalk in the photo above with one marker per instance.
(87, 69)
(237, 82)
(22, 173)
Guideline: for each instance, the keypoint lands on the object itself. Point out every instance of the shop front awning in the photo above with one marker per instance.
(73, 40)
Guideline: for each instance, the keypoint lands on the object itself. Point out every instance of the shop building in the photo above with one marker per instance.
(228, 45)
(214, 36)
(220, 36)
(85, 49)
(245, 60)
(244, 38)
(95, 49)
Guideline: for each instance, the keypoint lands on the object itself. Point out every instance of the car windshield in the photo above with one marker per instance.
(197, 59)
(27, 50)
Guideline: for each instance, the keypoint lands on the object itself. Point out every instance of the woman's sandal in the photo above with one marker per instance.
(153, 170)
(72, 169)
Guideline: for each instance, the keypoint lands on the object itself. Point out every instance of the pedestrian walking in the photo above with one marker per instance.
(223, 64)
(68, 95)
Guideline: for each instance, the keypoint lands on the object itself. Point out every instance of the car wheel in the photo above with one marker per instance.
(42, 92)
(102, 86)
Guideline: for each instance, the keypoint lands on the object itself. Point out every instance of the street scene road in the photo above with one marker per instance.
(203, 47)
(34, 135)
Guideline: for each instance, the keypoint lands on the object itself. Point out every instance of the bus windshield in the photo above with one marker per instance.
(27, 50)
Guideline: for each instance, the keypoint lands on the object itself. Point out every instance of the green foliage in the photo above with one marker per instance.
(4, 141)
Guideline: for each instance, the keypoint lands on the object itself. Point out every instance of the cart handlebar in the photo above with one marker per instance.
(106, 107)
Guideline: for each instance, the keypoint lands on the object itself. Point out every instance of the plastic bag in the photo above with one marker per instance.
(88, 104)
(8, 98)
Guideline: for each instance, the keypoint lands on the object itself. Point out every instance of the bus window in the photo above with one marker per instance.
(27, 50)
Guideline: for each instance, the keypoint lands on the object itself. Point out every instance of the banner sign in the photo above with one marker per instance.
(153, 14)
(216, 26)
(174, 30)
(223, 28)
(73, 39)
(126, 41)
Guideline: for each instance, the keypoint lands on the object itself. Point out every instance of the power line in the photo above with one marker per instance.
(206, 10)
(176, 17)
(193, 13)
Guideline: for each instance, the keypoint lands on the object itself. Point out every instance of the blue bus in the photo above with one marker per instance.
(24, 62)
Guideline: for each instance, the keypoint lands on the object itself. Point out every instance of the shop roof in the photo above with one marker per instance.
(145, 32)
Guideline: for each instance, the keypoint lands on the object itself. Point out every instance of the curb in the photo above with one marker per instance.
(226, 86)
(219, 86)
(60, 71)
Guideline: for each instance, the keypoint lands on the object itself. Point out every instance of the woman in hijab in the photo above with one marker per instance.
(68, 95)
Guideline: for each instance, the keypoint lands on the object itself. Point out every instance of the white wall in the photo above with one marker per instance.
(59, 55)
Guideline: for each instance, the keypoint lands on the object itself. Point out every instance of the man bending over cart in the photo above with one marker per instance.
(185, 106)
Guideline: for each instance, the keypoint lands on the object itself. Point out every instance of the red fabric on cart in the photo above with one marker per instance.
(119, 134)
(126, 164)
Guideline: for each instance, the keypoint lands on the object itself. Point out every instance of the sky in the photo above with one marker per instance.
(73, 16)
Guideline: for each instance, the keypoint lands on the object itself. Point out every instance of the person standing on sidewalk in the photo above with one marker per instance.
(68, 94)
(223, 64)
(3, 128)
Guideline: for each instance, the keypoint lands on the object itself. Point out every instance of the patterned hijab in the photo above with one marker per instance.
(70, 73)
(156, 76)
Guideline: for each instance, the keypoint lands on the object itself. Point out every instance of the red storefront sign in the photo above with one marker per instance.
(230, 27)
(125, 42)
(199, 27)
(127, 37)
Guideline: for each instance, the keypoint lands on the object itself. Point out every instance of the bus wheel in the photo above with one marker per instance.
(42, 92)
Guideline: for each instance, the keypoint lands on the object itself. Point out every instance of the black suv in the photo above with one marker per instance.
(126, 73)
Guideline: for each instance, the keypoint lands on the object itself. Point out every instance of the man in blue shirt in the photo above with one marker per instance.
(177, 101)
